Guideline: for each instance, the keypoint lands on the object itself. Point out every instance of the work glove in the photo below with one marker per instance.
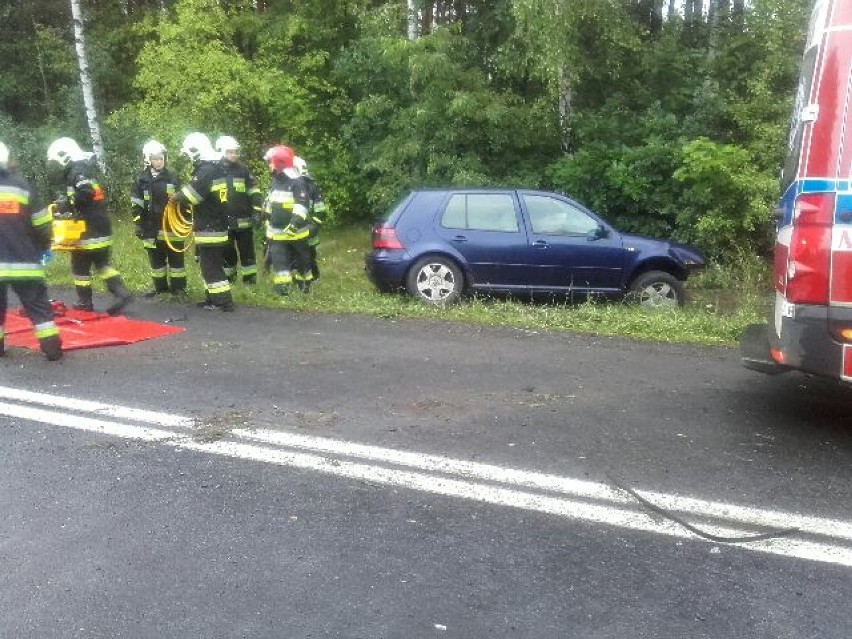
(140, 232)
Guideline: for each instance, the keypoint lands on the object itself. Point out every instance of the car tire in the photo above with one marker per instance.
(435, 280)
(657, 290)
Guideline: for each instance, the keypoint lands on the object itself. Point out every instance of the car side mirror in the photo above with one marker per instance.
(597, 233)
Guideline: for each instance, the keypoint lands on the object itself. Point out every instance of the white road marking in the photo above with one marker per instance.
(85, 423)
(541, 481)
(108, 410)
(818, 539)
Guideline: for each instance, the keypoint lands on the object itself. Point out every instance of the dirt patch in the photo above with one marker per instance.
(456, 405)
(309, 419)
(220, 426)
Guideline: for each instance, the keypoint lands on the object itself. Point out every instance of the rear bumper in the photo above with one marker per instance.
(799, 338)
(754, 350)
(387, 269)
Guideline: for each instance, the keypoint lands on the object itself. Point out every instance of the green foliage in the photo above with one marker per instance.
(443, 124)
(675, 127)
(727, 202)
(624, 169)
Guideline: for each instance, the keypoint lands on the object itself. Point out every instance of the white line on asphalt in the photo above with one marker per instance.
(86, 423)
(576, 510)
(464, 480)
(86, 406)
(554, 483)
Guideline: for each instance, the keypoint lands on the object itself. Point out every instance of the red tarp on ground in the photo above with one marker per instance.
(84, 329)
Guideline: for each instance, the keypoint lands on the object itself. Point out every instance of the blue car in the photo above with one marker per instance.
(441, 243)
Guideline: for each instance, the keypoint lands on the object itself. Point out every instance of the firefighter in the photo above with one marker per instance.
(25, 235)
(287, 228)
(244, 208)
(208, 193)
(85, 200)
(149, 196)
(316, 214)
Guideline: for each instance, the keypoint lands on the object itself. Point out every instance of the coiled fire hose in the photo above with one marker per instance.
(177, 225)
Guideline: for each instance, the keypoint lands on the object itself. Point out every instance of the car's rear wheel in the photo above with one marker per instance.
(657, 289)
(435, 280)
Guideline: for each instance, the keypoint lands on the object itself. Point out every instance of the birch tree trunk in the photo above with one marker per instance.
(86, 82)
(713, 24)
(412, 19)
(566, 99)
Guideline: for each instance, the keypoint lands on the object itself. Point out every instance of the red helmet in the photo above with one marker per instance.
(279, 158)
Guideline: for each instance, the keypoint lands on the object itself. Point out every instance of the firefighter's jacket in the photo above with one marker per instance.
(25, 230)
(287, 208)
(208, 193)
(87, 201)
(244, 201)
(317, 210)
(149, 197)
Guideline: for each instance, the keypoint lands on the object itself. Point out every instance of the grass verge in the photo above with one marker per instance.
(713, 315)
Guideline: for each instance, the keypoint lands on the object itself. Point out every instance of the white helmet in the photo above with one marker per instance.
(197, 147)
(4, 156)
(152, 148)
(226, 143)
(65, 150)
(301, 166)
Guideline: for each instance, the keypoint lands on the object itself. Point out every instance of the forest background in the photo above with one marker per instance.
(668, 117)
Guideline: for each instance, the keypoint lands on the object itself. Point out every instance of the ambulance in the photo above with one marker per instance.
(810, 329)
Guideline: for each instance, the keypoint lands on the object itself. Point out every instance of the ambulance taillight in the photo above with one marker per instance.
(808, 262)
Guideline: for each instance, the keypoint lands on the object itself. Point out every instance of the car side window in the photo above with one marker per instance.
(549, 216)
(481, 212)
(455, 215)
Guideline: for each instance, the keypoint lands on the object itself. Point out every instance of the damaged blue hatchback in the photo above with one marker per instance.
(441, 243)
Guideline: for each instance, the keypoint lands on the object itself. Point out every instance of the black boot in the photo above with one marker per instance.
(160, 287)
(124, 297)
(51, 347)
(84, 299)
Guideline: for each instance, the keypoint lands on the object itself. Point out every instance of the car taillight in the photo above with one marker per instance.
(808, 261)
(385, 237)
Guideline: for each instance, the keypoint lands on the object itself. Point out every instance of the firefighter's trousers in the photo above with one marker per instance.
(33, 296)
(82, 262)
(211, 260)
(240, 249)
(291, 262)
(168, 271)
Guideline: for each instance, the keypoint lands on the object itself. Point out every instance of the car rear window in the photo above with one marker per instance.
(481, 212)
(393, 212)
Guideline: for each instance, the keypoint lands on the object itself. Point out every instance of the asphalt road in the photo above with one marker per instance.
(124, 533)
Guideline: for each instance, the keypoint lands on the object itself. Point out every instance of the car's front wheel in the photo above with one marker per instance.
(435, 280)
(657, 289)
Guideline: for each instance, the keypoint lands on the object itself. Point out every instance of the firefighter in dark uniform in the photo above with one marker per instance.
(244, 207)
(287, 227)
(25, 234)
(85, 200)
(207, 192)
(150, 194)
(316, 215)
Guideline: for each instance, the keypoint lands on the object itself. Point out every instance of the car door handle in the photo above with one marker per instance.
(459, 238)
(540, 244)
